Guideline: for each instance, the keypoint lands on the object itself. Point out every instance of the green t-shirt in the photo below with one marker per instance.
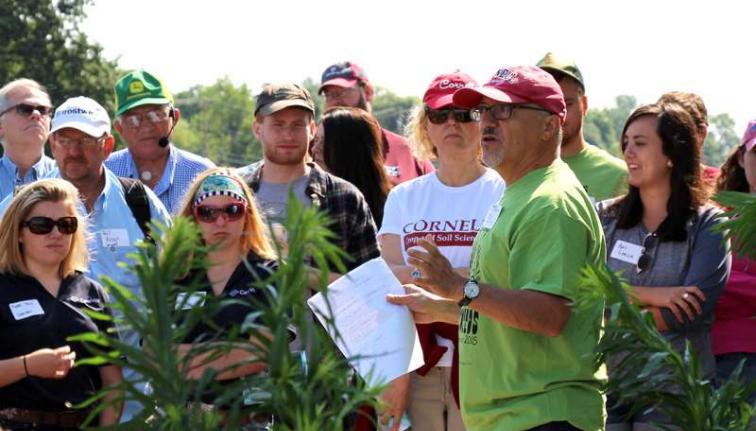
(603, 176)
(543, 235)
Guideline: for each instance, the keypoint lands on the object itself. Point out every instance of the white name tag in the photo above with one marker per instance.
(113, 238)
(626, 252)
(187, 301)
(23, 309)
(491, 216)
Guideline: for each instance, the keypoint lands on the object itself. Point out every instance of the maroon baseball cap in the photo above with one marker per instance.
(517, 84)
(749, 137)
(345, 74)
(441, 91)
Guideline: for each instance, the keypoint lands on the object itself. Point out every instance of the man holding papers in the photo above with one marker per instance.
(525, 355)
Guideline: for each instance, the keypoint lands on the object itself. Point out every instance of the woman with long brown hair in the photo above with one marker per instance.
(659, 236)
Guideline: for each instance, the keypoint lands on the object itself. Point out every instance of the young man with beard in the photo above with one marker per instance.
(346, 84)
(285, 125)
(603, 176)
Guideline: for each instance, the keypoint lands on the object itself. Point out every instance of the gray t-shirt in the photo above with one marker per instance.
(271, 198)
(702, 260)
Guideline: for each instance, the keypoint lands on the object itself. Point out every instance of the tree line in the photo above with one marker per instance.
(43, 41)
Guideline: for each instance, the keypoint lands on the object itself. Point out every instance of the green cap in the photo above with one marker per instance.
(138, 88)
(275, 97)
(552, 63)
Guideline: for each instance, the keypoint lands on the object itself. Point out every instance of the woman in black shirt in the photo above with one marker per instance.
(240, 254)
(43, 295)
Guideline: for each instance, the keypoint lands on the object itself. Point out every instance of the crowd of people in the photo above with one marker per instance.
(487, 211)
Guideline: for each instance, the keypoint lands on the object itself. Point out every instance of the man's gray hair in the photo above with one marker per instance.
(21, 82)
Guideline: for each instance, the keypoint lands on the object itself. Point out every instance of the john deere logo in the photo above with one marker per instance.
(136, 87)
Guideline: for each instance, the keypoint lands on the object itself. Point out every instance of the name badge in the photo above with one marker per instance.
(113, 238)
(23, 309)
(491, 216)
(187, 301)
(626, 252)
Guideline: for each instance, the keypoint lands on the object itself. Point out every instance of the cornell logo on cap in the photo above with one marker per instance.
(136, 87)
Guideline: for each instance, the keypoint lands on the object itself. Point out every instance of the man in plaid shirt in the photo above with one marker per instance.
(285, 124)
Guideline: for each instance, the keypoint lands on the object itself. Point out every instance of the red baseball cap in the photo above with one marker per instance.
(345, 74)
(517, 84)
(441, 91)
(749, 137)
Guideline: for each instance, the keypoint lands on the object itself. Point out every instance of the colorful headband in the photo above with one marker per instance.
(219, 185)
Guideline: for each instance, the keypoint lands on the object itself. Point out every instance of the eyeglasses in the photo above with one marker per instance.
(87, 142)
(439, 116)
(647, 256)
(27, 110)
(209, 214)
(502, 111)
(45, 225)
(135, 121)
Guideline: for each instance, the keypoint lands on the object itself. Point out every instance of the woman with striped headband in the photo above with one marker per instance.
(240, 255)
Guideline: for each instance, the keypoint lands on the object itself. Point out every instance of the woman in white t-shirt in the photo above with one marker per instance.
(450, 204)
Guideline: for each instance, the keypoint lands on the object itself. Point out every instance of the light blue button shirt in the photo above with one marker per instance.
(181, 168)
(9, 178)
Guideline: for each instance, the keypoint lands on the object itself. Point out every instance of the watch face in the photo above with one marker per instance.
(472, 289)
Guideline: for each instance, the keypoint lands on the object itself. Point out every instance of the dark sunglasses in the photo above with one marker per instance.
(26, 110)
(647, 257)
(209, 214)
(45, 225)
(439, 116)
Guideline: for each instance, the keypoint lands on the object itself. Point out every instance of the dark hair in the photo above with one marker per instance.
(677, 132)
(691, 102)
(353, 150)
(733, 175)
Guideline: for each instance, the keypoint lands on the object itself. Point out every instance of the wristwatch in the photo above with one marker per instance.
(471, 291)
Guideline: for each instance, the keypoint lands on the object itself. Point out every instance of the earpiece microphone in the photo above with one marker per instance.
(164, 141)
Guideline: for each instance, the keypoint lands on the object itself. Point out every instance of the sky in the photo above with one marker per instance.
(641, 48)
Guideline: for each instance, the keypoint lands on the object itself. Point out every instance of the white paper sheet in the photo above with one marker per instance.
(378, 338)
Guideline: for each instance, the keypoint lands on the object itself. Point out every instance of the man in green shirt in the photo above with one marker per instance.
(526, 355)
(603, 176)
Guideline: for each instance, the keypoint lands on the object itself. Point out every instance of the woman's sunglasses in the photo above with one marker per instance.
(45, 225)
(209, 214)
(439, 116)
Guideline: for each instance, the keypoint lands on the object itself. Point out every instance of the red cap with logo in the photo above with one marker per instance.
(344, 74)
(517, 84)
(441, 91)
(749, 137)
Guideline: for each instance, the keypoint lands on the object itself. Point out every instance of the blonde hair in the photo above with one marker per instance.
(417, 134)
(50, 190)
(255, 238)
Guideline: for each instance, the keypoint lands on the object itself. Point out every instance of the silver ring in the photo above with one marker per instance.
(415, 273)
(685, 295)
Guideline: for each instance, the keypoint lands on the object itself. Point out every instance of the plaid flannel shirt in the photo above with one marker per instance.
(349, 213)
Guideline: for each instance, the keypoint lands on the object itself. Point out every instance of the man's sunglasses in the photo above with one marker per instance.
(439, 116)
(26, 110)
(209, 214)
(647, 257)
(45, 225)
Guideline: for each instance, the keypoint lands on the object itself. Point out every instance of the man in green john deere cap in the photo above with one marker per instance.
(145, 118)
(603, 176)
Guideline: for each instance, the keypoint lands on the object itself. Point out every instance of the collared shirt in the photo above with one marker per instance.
(31, 319)
(181, 168)
(350, 215)
(113, 233)
(9, 178)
